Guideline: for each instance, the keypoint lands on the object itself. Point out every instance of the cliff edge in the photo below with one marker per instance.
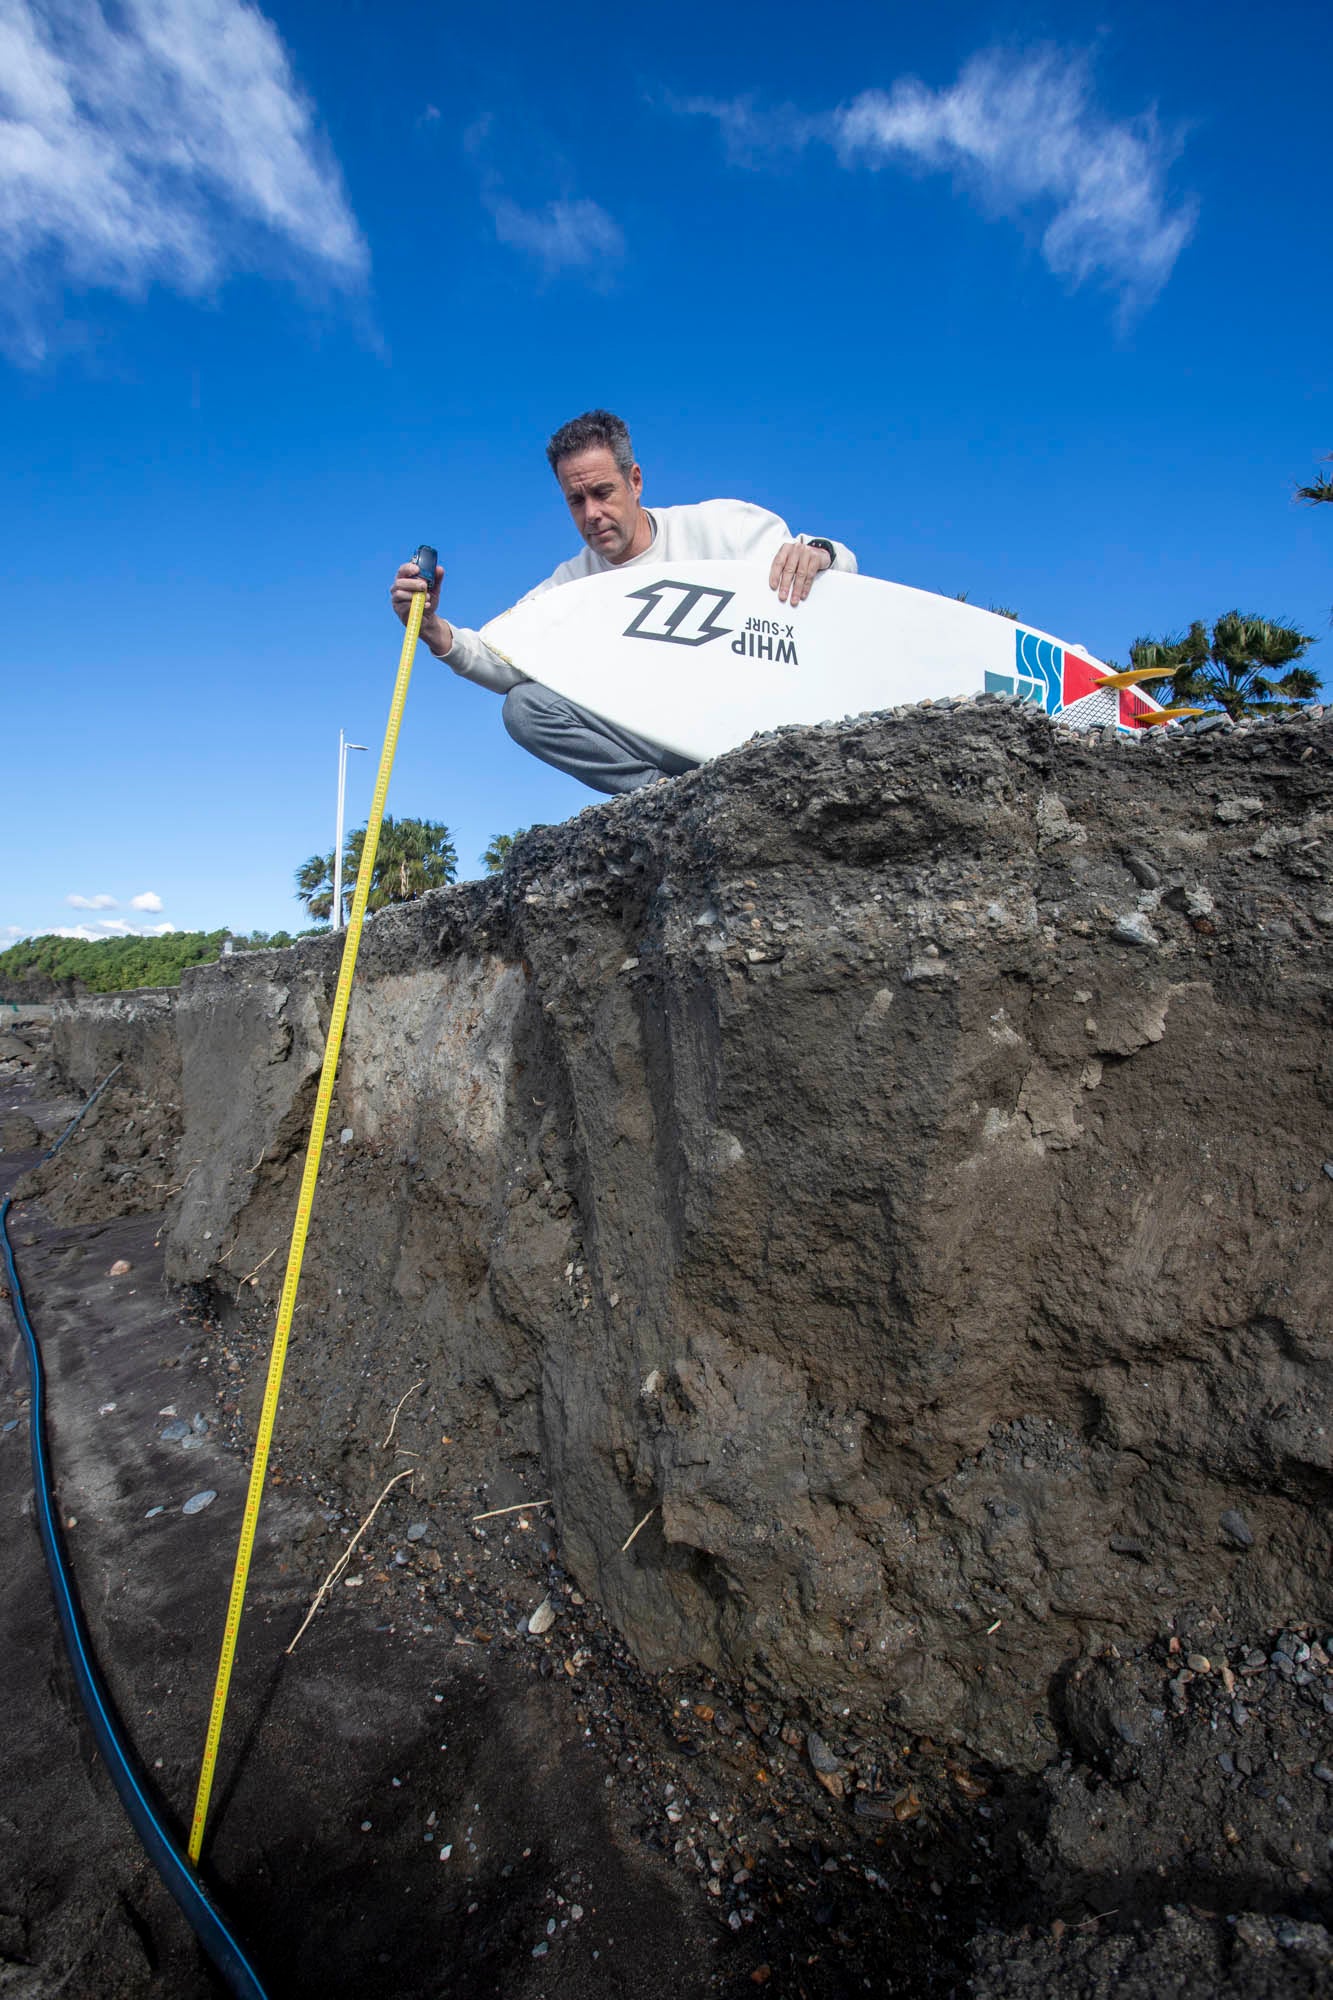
(893, 1159)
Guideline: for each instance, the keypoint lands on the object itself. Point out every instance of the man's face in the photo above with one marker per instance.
(603, 502)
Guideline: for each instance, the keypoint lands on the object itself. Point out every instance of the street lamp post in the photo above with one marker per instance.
(343, 747)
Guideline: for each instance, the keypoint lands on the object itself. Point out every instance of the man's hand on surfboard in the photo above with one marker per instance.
(795, 567)
(437, 634)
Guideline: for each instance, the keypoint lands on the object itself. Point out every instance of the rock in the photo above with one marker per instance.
(1135, 929)
(120, 1269)
(1236, 1529)
(1231, 811)
(827, 1768)
(821, 1757)
(198, 1501)
(542, 1619)
(417, 1530)
(173, 1433)
(1144, 871)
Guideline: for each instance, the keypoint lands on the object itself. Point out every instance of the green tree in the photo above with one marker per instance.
(413, 855)
(1238, 667)
(1322, 488)
(1000, 610)
(500, 849)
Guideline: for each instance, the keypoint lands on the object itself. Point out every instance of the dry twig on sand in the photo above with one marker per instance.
(397, 1407)
(521, 1508)
(251, 1275)
(643, 1524)
(346, 1555)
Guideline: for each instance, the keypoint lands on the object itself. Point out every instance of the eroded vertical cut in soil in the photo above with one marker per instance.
(883, 1174)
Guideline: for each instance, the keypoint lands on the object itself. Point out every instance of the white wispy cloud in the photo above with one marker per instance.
(91, 902)
(98, 933)
(754, 135)
(162, 141)
(1021, 132)
(122, 927)
(568, 233)
(149, 900)
(564, 235)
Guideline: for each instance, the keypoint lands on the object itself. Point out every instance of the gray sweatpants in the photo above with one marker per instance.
(597, 752)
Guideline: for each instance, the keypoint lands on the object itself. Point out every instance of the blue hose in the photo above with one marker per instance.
(169, 1859)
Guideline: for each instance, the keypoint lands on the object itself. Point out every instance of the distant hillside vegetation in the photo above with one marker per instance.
(40, 968)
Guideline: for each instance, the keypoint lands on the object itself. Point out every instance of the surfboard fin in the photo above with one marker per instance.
(1132, 677)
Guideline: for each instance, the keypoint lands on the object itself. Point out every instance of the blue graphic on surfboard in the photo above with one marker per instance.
(1065, 684)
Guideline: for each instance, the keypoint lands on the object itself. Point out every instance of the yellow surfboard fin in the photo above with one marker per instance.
(1131, 679)
(1165, 715)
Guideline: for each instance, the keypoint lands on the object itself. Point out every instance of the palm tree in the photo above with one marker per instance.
(1234, 668)
(413, 855)
(1322, 488)
(314, 885)
(500, 849)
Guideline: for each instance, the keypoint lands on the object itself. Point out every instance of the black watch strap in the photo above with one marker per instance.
(818, 542)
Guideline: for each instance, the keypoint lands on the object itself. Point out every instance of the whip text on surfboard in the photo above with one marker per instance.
(767, 639)
(687, 614)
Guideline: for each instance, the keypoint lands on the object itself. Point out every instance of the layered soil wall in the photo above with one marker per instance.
(891, 1159)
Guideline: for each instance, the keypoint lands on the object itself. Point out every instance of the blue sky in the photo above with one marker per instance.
(1023, 302)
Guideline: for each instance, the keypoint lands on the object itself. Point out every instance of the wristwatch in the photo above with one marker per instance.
(818, 542)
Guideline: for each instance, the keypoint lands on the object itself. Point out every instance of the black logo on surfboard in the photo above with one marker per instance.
(681, 614)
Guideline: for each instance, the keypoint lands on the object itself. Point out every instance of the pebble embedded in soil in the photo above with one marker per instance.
(1237, 1529)
(198, 1501)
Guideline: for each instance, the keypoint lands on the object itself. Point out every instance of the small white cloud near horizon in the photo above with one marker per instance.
(149, 900)
(1021, 131)
(122, 927)
(105, 929)
(563, 236)
(92, 902)
(167, 144)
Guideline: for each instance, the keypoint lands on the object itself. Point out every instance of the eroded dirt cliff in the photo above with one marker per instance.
(889, 1169)
(895, 1154)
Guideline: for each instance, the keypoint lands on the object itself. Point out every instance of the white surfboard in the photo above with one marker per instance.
(697, 656)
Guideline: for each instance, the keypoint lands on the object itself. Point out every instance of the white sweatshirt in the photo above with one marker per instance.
(717, 530)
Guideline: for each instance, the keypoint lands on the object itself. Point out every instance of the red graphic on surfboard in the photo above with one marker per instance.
(1065, 684)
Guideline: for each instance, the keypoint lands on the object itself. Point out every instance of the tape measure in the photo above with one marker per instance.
(425, 560)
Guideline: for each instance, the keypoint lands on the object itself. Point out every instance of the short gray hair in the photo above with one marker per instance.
(585, 433)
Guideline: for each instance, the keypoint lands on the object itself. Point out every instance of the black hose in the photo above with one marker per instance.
(169, 1859)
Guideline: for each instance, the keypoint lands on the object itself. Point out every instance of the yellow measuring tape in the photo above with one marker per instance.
(305, 1200)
